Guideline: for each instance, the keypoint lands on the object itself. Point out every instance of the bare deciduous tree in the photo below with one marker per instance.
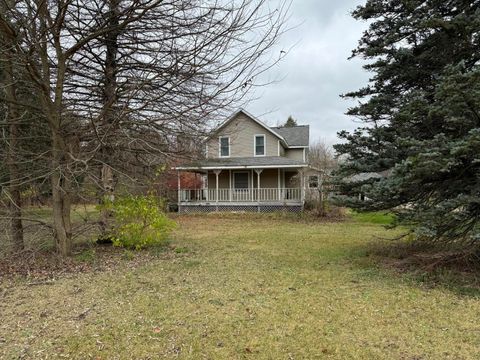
(121, 80)
(322, 156)
(11, 122)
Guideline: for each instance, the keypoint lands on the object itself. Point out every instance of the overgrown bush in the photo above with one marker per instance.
(139, 221)
(324, 209)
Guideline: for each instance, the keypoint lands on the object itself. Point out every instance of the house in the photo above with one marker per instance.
(366, 177)
(250, 166)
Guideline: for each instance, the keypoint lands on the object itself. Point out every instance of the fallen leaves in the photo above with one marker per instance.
(45, 267)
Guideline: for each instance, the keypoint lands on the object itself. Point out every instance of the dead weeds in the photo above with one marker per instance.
(42, 266)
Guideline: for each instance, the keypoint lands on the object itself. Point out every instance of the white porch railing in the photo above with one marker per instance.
(241, 195)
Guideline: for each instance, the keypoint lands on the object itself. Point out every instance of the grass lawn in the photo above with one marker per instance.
(246, 288)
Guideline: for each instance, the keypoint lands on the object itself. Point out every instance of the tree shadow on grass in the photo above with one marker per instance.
(428, 268)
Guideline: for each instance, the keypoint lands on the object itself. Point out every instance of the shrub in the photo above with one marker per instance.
(325, 209)
(139, 222)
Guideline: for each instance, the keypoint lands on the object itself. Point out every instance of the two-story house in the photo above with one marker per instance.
(250, 166)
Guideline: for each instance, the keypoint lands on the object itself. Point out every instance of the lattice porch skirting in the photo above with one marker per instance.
(263, 208)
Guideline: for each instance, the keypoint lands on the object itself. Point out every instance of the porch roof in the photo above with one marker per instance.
(260, 162)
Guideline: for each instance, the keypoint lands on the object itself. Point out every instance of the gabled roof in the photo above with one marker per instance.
(291, 137)
(259, 122)
(295, 135)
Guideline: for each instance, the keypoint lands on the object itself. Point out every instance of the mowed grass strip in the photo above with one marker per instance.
(242, 287)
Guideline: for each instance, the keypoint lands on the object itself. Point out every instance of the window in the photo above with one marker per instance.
(313, 181)
(240, 180)
(224, 146)
(259, 145)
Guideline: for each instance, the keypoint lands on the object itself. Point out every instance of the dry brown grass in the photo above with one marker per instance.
(245, 287)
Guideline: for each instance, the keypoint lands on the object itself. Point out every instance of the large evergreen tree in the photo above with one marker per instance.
(421, 114)
(291, 122)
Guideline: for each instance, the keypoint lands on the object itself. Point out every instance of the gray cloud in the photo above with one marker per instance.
(316, 70)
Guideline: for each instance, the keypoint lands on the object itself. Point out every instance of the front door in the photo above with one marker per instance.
(240, 186)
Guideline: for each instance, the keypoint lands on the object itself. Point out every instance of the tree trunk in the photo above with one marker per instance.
(61, 198)
(109, 111)
(13, 117)
(16, 227)
(107, 195)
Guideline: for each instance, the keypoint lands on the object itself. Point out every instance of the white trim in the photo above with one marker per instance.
(220, 146)
(259, 178)
(239, 167)
(278, 147)
(303, 154)
(216, 184)
(255, 145)
(279, 185)
(207, 187)
(298, 147)
(246, 203)
(251, 186)
(230, 185)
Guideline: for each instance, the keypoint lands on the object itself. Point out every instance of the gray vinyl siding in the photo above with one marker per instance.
(242, 131)
(268, 179)
(223, 180)
(295, 154)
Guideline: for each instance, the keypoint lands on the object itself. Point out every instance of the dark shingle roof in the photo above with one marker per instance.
(260, 161)
(364, 176)
(295, 135)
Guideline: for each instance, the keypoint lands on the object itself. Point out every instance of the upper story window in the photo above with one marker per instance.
(259, 145)
(224, 145)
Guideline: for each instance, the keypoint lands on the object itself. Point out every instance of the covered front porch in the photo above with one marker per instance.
(244, 189)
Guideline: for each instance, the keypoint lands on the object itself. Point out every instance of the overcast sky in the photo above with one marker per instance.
(316, 71)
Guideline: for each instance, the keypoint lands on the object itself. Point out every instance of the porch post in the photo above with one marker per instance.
(230, 185)
(195, 188)
(258, 171)
(251, 186)
(178, 187)
(207, 186)
(217, 172)
(279, 185)
(302, 185)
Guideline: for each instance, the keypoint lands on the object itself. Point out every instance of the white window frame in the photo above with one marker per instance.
(220, 146)
(255, 144)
